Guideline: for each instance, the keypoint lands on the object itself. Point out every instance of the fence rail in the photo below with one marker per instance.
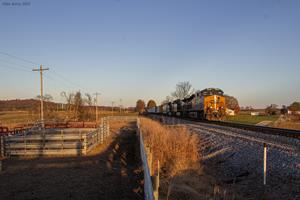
(22, 128)
(38, 143)
(151, 183)
(122, 118)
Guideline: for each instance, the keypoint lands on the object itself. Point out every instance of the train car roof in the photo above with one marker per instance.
(212, 91)
(177, 101)
(189, 98)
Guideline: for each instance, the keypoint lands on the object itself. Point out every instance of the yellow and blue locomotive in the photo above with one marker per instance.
(205, 104)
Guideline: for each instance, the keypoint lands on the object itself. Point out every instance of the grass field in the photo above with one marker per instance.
(12, 119)
(248, 119)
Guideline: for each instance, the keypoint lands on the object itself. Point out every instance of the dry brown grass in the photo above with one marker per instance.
(175, 147)
(288, 125)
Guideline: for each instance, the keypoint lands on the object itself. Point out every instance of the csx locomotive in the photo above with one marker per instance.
(206, 104)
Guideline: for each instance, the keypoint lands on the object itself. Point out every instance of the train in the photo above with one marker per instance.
(208, 104)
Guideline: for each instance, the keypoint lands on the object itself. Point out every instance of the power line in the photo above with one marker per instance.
(60, 82)
(16, 64)
(14, 68)
(27, 68)
(67, 80)
(16, 57)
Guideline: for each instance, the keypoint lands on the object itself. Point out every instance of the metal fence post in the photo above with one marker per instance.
(25, 143)
(108, 133)
(7, 148)
(155, 182)
(97, 136)
(101, 134)
(62, 139)
(2, 146)
(149, 159)
(265, 164)
(85, 144)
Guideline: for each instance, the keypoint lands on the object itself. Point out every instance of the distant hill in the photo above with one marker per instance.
(34, 105)
(24, 104)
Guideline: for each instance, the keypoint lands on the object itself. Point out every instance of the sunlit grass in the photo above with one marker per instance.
(175, 147)
(248, 119)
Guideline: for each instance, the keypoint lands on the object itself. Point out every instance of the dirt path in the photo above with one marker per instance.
(112, 171)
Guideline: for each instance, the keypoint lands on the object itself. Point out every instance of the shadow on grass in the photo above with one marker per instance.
(115, 172)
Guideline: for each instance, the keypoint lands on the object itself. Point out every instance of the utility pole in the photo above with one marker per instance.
(97, 105)
(120, 104)
(41, 69)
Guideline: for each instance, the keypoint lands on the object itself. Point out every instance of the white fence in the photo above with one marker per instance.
(148, 188)
(151, 183)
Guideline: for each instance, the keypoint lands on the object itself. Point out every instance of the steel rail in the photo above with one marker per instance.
(262, 129)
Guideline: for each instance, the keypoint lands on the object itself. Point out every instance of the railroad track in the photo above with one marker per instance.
(235, 152)
(283, 143)
(262, 129)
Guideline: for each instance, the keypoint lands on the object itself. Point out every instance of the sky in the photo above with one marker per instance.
(127, 49)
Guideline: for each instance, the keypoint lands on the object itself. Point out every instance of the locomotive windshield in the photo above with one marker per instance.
(212, 91)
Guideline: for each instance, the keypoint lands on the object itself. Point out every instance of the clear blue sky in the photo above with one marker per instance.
(141, 49)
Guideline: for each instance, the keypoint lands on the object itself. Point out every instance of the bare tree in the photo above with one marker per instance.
(183, 90)
(89, 99)
(69, 99)
(167, 100)
(78, 103)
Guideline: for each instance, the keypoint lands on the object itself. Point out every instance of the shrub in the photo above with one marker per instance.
(175, 147)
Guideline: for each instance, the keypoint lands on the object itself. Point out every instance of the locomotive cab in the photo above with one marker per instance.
(214, 104)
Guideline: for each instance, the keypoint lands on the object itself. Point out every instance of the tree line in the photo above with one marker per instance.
(274, 110)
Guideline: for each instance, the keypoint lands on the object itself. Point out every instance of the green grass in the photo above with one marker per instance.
(248, 119)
